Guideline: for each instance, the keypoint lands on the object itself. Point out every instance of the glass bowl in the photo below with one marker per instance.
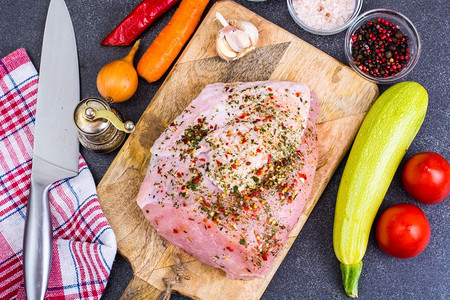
(403, 23)
(353, 16)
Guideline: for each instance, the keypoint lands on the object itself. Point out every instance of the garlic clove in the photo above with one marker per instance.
(237, 40)
(243, 39)
(232, 42)
(226, 30)
(224, 50)
(248, 28)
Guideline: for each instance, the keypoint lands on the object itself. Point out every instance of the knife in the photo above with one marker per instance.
(55, 150)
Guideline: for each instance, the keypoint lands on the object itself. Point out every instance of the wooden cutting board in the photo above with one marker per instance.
(344, 100)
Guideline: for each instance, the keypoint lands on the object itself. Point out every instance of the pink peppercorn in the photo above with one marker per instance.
(380, 48)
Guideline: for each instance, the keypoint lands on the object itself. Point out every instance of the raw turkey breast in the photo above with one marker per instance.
(228, 179)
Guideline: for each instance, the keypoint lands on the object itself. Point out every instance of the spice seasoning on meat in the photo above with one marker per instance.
(238, 174)
(276, 176)
(380, 48)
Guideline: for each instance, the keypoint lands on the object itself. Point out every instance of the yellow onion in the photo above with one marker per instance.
(117, 81)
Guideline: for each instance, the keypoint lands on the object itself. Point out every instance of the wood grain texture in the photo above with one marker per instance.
(344, 99)
(138, 289)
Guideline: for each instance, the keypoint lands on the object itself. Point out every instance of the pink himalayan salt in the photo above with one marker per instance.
(324, 14)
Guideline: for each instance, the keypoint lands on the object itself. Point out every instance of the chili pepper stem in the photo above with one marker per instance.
(129, 58)
(350, 277)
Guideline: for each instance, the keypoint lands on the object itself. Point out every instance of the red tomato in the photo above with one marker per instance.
(403, 230)
(426, 177)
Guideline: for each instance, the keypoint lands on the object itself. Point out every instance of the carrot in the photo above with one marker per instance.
(169, 42)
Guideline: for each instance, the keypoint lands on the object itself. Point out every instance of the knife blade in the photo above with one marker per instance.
(56, 148)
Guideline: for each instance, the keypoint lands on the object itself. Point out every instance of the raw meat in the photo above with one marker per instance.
(228, 179)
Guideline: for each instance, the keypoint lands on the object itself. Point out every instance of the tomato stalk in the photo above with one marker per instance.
(350, 278)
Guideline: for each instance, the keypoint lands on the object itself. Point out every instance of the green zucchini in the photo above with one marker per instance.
(385, 134)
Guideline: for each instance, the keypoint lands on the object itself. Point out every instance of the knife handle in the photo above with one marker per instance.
(37, 245)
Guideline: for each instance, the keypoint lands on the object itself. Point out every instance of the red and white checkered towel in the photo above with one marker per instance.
(84, 244)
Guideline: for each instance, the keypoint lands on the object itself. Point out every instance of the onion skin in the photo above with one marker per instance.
(117, 81)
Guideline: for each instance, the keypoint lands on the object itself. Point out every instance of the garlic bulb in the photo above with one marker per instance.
(236, 38)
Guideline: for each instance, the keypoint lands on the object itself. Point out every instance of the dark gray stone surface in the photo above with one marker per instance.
(310, 270)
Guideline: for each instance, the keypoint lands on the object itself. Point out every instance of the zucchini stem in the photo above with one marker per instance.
(350, 277)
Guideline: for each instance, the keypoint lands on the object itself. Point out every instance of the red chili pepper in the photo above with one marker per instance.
(301, 175)
(142, 16)
(256, 194)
